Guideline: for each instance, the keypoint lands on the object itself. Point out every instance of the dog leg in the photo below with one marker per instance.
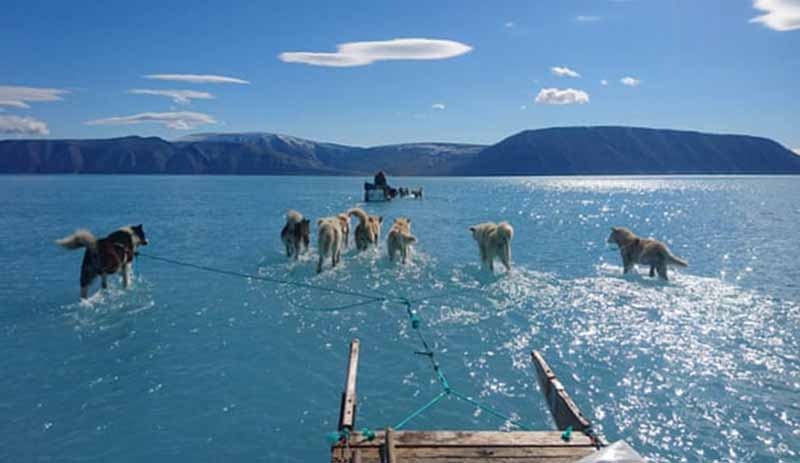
(85, 292)
(319, 263)
(126, 277)
(288, 250)
(104, 281)
(652, 271)
(505, 256)
(662, 271)
(404, 254)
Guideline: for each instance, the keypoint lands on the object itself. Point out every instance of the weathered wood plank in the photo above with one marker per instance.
(446, 454)
(473, 439)
(564, 410)
(492, 452)
(391, 451)
(406, 454)
(347, 414)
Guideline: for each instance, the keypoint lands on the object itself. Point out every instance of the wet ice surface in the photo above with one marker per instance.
(193, 365)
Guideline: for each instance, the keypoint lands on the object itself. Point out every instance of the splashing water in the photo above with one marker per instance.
(209, 367)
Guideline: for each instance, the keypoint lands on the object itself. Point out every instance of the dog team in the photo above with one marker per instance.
(115, 253)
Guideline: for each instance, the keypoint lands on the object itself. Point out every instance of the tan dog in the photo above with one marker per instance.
(330, 239)
(646, 251)
(400, 238)
(345, 228)
(494, 241)
(295, 234)
(368, 231)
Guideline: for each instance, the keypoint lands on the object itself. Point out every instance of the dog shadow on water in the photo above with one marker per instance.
(636, 275)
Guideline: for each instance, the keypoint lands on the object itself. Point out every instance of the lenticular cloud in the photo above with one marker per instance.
(181, 120)
(562, 96)
(364, 53)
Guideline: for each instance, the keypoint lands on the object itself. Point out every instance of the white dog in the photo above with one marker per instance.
(400, 238)
(330, 240)
(494, 240)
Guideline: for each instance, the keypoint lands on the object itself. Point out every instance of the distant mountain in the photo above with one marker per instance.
(631, 150)
(555, 151)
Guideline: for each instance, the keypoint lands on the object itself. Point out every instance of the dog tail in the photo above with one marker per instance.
(358, 212)
(505, 231)
(79, 239)
(293, 217)
(672, 259)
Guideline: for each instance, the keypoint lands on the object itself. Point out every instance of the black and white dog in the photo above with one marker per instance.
(105, 256)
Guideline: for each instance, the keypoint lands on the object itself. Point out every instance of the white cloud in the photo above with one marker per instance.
(604, 82)
(587, 19)
(439, 106)
(509, 24)
(178, 96)
(564, 71)
(181, 120)
(781, 15)
(796, 151)
(523, 107)
(630, 81)
(562, 96)
(197, 78)
(22, 126)
(14, 103)
(19, 97)
(364, 53)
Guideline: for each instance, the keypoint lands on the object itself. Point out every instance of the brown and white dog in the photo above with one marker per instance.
(646, 251)
(494, 240)
(295, 234)
(368, 231)
(105, 256)
(330, 239)
(399, 238)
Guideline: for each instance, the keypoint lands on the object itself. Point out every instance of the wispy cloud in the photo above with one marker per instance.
(587, 19)
(178, 96)
(781, 15)
(564, 71)
(19, 97)
(630, 81)
(180, 120)
(604, 82)
(560, 96)
(14, 103)
(796, 151)
(15, 125)
(509, 24)
(439, 106)
(364, 53)
(523, 107)
(197, 78)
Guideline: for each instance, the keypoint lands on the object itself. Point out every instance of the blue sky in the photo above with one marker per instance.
(78, 69)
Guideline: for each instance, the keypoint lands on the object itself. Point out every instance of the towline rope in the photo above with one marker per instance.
(378, 297)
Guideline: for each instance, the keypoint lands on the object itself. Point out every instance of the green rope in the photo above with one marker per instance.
(421, 410)
(262, 278)
(377, 296)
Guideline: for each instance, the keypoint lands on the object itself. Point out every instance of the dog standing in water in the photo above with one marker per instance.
(295, 234)
(330, 239)
(646, 251)
(400, 238)
(368, 231)
(494, 240)
(105, 256)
